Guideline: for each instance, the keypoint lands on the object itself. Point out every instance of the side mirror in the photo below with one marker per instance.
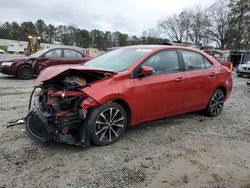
(145, 71)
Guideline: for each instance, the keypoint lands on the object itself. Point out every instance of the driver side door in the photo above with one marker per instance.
(161, 93)
(52, 57)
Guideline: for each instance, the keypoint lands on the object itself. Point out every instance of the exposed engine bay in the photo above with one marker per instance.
(58, 112)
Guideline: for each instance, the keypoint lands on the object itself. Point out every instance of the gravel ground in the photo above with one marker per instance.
(190, 150)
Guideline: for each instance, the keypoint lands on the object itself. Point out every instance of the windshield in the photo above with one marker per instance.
(38, 53)
(117, 60)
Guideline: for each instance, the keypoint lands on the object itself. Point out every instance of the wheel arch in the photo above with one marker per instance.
(126, 106)
(223, 88)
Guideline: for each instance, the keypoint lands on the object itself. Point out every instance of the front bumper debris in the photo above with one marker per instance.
(40, 127)
(37, 130)
(44, 133)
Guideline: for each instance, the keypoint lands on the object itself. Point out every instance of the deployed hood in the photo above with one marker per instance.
(54, 71)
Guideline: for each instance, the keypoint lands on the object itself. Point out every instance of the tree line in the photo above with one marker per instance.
(226, 24)
(71, 35)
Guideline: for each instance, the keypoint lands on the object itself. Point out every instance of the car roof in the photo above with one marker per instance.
(162, 47)
(62, 47)
(155, 47)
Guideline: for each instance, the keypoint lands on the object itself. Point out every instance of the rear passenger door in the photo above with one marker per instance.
(72, 57)
(200, 80)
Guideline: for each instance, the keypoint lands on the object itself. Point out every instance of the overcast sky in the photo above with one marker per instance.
(128, 16)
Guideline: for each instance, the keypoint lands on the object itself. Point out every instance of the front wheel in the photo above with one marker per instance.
(107, 123)
(25, 72)
(216, 103)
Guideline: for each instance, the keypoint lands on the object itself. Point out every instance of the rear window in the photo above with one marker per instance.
(193, 60)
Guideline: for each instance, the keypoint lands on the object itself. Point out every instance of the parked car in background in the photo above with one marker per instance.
(27, 67)
(243, 69)
(1, 52)
(122, 88)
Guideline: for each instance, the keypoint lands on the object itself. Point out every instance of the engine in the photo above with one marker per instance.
(60, 104)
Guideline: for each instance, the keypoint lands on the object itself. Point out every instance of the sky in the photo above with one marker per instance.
(127, 16)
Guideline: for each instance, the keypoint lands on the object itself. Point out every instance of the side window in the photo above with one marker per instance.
(54, 53)
(164, 62)
(78, 55)
(193, 60)
(70, 53)
(207, 63)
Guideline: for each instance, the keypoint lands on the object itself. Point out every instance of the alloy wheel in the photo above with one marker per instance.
(109, 124)
(217, 103)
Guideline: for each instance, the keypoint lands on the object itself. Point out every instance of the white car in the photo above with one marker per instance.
(243, 69)
(1, 52)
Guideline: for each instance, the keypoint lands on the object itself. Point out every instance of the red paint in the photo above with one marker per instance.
(154, 96)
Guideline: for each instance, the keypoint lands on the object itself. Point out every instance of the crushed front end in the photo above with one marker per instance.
(59, 112)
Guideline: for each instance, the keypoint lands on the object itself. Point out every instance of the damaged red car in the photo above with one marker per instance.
(28, 66)
(97, 101)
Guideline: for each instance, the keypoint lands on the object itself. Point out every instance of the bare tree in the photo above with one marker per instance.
(175, 27)
(220, 27)
(199, 25)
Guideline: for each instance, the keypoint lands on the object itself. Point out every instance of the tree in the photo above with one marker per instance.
(41, 28)
(15, 27)
(175, 26)
(240, 14)
(220, 28)
(5, 31)
(50, 34)
(27, 28)
(199, 23)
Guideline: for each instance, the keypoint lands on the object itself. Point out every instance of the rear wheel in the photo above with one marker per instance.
(25, 72)
(108, 123)
(216, 103)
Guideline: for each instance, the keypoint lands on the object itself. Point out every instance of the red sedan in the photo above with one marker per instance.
(98, 100)
(27, 67)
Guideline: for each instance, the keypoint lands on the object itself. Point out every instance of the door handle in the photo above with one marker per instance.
(212, 74)
(180, 79)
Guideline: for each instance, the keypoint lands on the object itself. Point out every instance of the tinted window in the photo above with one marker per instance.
(193, 60)
(164, 62)
(54, 53)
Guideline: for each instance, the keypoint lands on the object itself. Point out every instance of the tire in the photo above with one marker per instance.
(215, 104)
(25, 72)
(105, 129)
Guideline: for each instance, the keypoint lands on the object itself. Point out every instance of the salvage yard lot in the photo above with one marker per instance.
(190, 150)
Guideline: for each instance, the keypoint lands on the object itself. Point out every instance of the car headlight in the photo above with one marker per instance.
(7, 63)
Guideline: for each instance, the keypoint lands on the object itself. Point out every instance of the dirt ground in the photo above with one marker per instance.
(190, 150)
